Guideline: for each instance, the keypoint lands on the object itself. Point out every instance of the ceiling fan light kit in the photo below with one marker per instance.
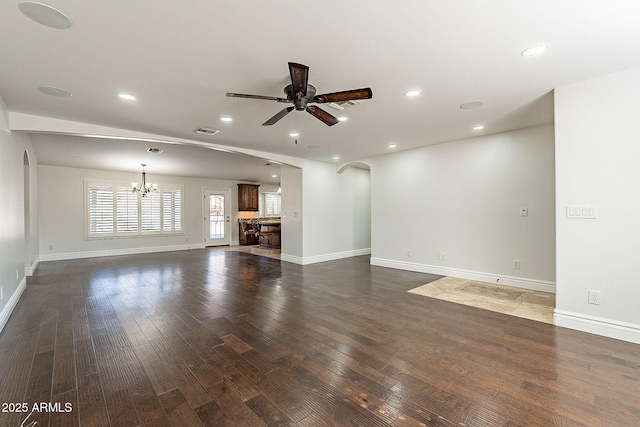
(300, 93)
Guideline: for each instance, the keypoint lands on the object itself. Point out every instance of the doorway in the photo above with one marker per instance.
(217, 217)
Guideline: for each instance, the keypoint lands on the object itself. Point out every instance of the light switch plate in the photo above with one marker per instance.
(582, 212)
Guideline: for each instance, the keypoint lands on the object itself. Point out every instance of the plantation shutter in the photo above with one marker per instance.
(150, 212)
(272, 204)
(101, 210)
(126, 210)
(172, 210)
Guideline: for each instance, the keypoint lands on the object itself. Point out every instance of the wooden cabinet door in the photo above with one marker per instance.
(248, 197)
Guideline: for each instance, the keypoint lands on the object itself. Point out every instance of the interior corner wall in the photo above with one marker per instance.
(336, 216)
(597, 152)
(12, 215)
(326, 215)
(454, 208)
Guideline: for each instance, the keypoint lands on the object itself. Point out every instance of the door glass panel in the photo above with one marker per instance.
(216, 216)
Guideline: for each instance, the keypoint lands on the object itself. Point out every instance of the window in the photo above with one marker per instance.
(270, 204)
(114, 210)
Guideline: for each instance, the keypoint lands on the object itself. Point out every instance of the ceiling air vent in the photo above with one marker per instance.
(206, 131)
(154, 150)
(343, 104)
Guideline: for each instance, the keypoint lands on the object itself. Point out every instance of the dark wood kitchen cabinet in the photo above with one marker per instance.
(248, 197)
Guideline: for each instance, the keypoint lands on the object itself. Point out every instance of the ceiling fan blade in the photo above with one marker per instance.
(319, 113)
(268, 98)
(299, 77)
(278, 116)
(347, 95)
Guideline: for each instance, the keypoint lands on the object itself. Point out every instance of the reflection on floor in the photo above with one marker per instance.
(534, 305)
(256, 250)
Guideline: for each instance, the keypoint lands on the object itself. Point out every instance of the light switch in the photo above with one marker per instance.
(582, 212)
(524, 211)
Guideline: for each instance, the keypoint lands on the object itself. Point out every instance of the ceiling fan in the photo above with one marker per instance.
(301, 94)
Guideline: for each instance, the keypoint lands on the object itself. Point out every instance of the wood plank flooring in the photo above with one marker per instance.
(224, 338)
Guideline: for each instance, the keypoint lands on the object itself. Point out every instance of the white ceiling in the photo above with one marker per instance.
(180, 58)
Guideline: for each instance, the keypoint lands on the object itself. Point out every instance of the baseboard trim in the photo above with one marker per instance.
(28, 271)
(115, 252)
(11, 304)
(518, 282)
(325, 257)
(597, 325)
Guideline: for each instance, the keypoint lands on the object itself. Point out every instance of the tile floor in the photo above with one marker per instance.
(534, 305)
(252, 249)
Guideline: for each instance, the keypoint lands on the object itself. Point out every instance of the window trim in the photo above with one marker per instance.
(113, 187)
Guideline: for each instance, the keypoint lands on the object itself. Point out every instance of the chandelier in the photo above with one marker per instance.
(145, 187)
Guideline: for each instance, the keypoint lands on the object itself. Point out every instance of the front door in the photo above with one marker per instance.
(217, 217)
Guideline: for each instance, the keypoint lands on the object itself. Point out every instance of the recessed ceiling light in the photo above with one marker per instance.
(478, 127)
(534, 50)
(226, 119)
(392, 145)
(472, 104)
(45, 15)
(126, 97)
(412, 93)
(342, 118)
(54, 91)
(274, 176)
(294, 134)
(336, 157)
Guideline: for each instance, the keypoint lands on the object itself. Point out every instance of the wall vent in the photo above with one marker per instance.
(343, 104)
(206, 131)
(154, 150)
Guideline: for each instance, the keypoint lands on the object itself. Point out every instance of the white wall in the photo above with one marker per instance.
(62, 210)
(463, 199)
(291, 213)
(337, 211)
(597, 157)
(333, 213)
(13, 251)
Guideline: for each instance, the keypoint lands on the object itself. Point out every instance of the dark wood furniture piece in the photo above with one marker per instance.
(247, 233)
(269, 235)
(248, 195)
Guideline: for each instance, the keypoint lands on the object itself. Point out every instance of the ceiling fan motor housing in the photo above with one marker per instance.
(299, 99)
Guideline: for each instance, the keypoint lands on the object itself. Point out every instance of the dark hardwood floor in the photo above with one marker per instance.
(222, 338)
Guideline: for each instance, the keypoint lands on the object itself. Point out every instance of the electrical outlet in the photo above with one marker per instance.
(594, 297)
(524, 212)
(408, 252)
(516, 264)
(443, 256)
(1, 293)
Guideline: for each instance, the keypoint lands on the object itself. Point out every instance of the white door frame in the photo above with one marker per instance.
(226, 239)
